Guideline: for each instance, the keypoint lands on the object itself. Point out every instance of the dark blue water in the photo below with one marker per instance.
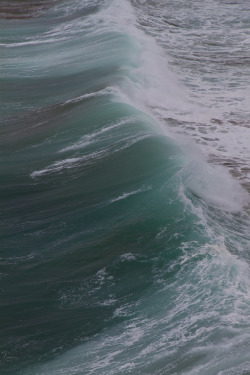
(124, 188)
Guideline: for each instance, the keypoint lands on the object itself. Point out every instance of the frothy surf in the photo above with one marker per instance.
(125, 212)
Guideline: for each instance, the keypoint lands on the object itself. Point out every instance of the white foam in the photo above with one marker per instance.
(106, 91)
(68, 164)
(201, 110)
(127, 257)
(189, 316)
(215, 186)
(130, 141)
(204, 311)
(56, 167)
(33, 42)
(91, 137)
(126, 195)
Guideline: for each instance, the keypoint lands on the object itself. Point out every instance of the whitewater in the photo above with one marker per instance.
(125, 181)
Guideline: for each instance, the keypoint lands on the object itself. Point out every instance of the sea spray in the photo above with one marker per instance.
(125, 241)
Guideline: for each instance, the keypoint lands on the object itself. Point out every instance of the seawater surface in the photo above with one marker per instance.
(125, 223)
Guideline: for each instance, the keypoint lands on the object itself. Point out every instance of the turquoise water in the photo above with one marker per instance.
(125, 188)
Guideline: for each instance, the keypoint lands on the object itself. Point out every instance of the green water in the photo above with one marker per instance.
(122, 251)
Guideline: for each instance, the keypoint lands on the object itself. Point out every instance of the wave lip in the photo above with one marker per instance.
(136, 283)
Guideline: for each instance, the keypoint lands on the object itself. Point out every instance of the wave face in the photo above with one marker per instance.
(125, 187)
